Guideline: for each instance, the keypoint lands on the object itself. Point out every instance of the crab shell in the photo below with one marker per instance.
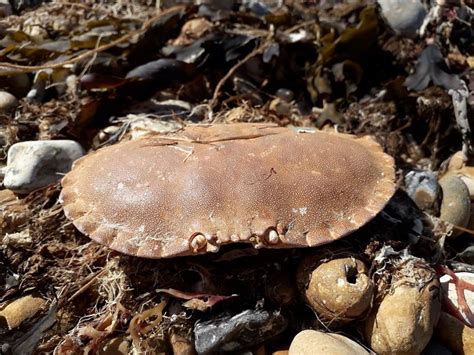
(205, 186)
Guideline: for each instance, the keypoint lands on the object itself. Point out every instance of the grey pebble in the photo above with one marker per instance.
(423, 189)
(35, 164)
(404, 16)
(8, 102)
(238, 332)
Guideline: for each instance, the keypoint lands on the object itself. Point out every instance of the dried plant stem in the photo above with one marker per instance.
(232, 70)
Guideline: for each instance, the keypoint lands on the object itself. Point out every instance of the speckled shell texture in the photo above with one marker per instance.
(191, 191)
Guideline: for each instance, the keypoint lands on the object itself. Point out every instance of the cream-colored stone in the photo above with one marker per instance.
(339, 290)
(311, 342)
(456, 203)
(455, 335)
(13, 313)
(403, 323)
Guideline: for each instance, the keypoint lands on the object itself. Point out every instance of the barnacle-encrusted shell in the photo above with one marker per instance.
(194, 190)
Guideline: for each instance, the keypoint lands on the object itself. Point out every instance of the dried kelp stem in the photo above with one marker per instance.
(15, 68)
(232, 70)
(459, 97)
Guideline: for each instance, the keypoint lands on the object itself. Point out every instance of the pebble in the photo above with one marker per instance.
(16, 84)
(456, 204)
(404, 321)
(404, 16)
(457, 336)
(423, 189)
(310, 342)
(450, 290)
(16, 312)
(241, 331)
(5, 8)
(464, 170)
(35, 164)
(181, 345)
(338, 290)
(8, 102)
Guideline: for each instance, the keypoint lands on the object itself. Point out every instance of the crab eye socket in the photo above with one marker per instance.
(272, 237)
(198, 242)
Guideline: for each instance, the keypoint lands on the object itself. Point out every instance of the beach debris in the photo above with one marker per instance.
(237, 332)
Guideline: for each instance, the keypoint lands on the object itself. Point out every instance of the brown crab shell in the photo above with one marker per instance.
(191, 191)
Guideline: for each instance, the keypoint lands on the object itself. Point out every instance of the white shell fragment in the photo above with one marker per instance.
(35, 164)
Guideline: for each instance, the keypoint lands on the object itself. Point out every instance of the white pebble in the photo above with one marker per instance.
(35, 164)
(404, 16)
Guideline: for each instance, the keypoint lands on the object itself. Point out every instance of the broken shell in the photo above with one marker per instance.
(147, 197)
(309, 342)
(455, 335)
(338, 290)
(456, 204)
(404, 321)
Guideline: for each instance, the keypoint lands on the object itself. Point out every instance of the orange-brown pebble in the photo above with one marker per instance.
(339, 290)
(455, 335)
(14, 313)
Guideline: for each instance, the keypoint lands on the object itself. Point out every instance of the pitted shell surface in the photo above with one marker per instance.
(190, 192)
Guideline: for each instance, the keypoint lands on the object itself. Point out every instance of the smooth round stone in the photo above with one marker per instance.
(35, 164)
(8, 102)
(14, 313)
(310, 342)
(456, 204)
(404, 16)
